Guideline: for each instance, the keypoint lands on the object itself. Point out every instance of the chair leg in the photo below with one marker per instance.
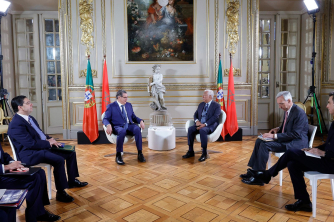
(49, 181)
(332, 185)
(269, 160)
(281, 177)
(314, 196)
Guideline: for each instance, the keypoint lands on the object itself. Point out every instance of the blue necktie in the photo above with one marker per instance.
(40, 133)
(203, 118)
(206, 107)
(124, 117)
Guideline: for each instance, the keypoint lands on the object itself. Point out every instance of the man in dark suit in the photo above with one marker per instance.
(292, 134)
(37, 196)
(34, 147)
(120, 119)
(206, 120)
(297, 163)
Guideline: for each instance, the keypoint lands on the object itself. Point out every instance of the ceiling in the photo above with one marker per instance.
(33, 5)
(52, 5)
(281, 5)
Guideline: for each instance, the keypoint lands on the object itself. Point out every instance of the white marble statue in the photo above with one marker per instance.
(156, 89)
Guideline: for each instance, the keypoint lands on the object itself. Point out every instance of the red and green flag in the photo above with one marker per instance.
(105, 89)
(220, 95)
(90, 126)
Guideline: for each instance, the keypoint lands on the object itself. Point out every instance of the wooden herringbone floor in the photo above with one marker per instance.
(168, 188)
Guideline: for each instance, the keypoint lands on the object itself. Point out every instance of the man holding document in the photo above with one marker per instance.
(292, 134)
(34, 147)
(298, 162)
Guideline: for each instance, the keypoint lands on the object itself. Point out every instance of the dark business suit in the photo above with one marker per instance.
(294, 137)
(113, 116)
(297, 163)
(37, 195)
(212, 121)
(32, 150)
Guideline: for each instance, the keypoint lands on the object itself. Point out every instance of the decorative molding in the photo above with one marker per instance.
(232, 25)
(216, 39)
(86, 24)
(103, 15)
(236, 72)
(83, 73)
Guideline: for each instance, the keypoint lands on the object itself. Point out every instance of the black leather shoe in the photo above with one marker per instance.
(203, 157)
(246, 175)
(119, 160)
(253, 181)
(77, 183)
(48, 217)
(299, 205)
(189, 154)
(141, 158)
(262, 175)
(62, 196)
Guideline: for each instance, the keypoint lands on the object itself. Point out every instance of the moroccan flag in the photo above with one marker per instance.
(231, 114)
(220, 95)
(90, 127)
(105, 89)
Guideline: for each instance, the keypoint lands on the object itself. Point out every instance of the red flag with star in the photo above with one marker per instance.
(231, 114)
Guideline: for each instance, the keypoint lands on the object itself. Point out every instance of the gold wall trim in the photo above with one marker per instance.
(236, 72)
(83, 73)
(232, 27)
(86, 24)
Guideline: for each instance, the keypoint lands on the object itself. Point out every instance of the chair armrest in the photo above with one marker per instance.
(189, 123)
(216, 134)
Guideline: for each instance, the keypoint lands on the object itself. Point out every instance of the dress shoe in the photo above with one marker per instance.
(189, 154)
(203, 157)
(246, 175)
(77, 183)
(141, 158)
(119, 160)
(253, 181)
(62, 196)
(48, 217)
(261, 174)
(299, 205)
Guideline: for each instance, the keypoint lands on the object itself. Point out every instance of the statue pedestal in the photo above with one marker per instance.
(161, 138)
(161, 133)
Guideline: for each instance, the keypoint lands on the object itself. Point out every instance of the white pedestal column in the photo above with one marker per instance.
(161, 138)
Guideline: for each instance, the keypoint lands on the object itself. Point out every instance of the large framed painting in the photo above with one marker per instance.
(160, 31)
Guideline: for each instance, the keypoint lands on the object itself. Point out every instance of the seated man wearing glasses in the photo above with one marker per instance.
(120, 119)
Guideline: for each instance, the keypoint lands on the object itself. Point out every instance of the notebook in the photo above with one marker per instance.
(63, 147)
(13, 198)
(32, 171)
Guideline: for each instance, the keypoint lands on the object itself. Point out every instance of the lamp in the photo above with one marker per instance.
(312, 8)
(4, 6)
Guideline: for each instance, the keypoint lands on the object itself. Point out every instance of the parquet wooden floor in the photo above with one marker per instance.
(168, 188)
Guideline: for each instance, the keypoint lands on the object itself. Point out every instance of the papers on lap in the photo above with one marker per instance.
(13, 198)
(265, 139)
(64, 147)
(312, 155)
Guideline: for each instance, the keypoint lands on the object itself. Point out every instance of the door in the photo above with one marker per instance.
(287, 59)
(51, 74)
(266, 74)
(27, 61)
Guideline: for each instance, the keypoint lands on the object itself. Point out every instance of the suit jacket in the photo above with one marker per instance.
(296, 129)
(25, 138)
(4, 159)
(328, 146)
(113, 115)
(212, 116)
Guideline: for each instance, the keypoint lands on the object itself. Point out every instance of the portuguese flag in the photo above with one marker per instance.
(220, 95)
(90, 126)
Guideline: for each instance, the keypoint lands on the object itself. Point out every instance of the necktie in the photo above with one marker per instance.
(203, 118)
(206, 107)
(40, 133)
(286, 116)
(124, 117)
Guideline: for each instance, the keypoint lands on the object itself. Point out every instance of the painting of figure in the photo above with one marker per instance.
(160, 30)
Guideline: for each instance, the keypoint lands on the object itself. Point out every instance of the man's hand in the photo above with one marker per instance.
(273, 131)
(268, 135)
(109, 130)
(198, 123)
(315, 151)
(53, 142)
(200, 126)
(14, 165)
(142, 125)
